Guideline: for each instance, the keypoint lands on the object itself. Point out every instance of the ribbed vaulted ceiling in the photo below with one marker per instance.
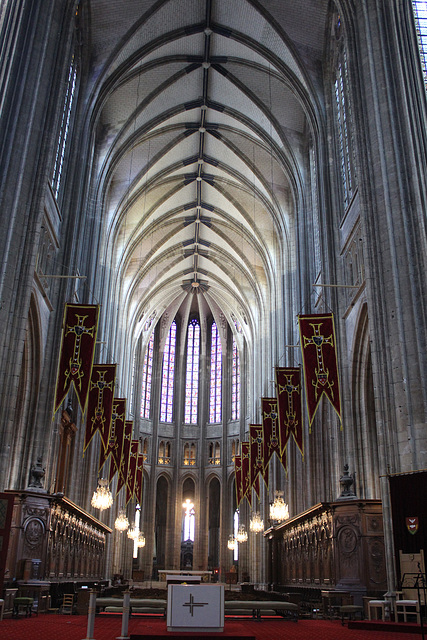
(203, 110)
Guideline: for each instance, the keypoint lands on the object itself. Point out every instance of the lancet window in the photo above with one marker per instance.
(147, 372)
(192, 373)
(64, 129)
(214, 453)
(189, 454)
(420, 15)
(168, 374)
(164, 452)
(235, 384)
(343, 117)
(216, 376)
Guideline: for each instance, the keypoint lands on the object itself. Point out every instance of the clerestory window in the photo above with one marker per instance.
(168, 374)
(192, 373)
(147, 372)
(216, 376)
(420, 16)
(235, 383)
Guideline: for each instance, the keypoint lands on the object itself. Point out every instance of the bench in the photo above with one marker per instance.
(257, 608)
(137, 605)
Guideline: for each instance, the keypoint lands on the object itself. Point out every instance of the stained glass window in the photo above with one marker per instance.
(216, 376)
(235, 384)
(343, 138)
(420, 14)
(192, 373)
(147, 371)
(188, 528)
(65, 125)
(168, 370)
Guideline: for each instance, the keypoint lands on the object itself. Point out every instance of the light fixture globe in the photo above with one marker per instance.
(102, 497)
(140, 540)
(121, 523)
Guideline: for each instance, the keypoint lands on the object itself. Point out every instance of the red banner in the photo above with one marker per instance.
(115, 441)
(133, 463)
(318, 347)
(246, 472)
(139, 478)
(238, 478)
(289, 404)
(124, 460)
(256, 486)
(256, 442)
(79, 329)
(100, 403)
(270, 425)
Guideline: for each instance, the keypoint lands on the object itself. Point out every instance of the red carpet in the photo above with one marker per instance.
(59, 627)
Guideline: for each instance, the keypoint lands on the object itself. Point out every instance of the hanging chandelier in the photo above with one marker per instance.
(256, 524)
(231, 544)
(132, 532)
(140, 540)
(242, 534)
(102, 497)
(279, 510)
(121, 523)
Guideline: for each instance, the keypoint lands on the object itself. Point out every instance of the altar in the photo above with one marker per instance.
(195, 607)
(183, 575)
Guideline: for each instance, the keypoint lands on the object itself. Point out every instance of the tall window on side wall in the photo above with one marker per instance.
(343, 117)
(235, 383)
(147, 371)
(192, 373)
(64, 129)
(420, 15)
(168, 371)
(216, 376)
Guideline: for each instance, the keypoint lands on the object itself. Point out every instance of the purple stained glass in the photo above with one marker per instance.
(168, 375)
(147, 371)
(192, 373)
(216, 375)
(235, 384)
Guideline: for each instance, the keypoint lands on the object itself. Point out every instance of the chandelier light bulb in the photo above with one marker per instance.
(256, 525)
(242, 534)
(279, 510)
(121, 523)
(102, 497)
(132, 532)
(231, 544)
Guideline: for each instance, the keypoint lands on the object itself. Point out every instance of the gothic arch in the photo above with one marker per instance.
(26, 445)
(363, 410)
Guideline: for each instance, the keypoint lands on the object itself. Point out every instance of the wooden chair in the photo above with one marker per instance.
(67, 605)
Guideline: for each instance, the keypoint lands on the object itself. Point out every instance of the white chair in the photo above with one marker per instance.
(408, 610)
(379, 609)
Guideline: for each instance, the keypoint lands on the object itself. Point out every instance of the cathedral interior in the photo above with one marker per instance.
(206, 172)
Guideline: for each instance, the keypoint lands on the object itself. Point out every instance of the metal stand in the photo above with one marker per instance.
(417, 581)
